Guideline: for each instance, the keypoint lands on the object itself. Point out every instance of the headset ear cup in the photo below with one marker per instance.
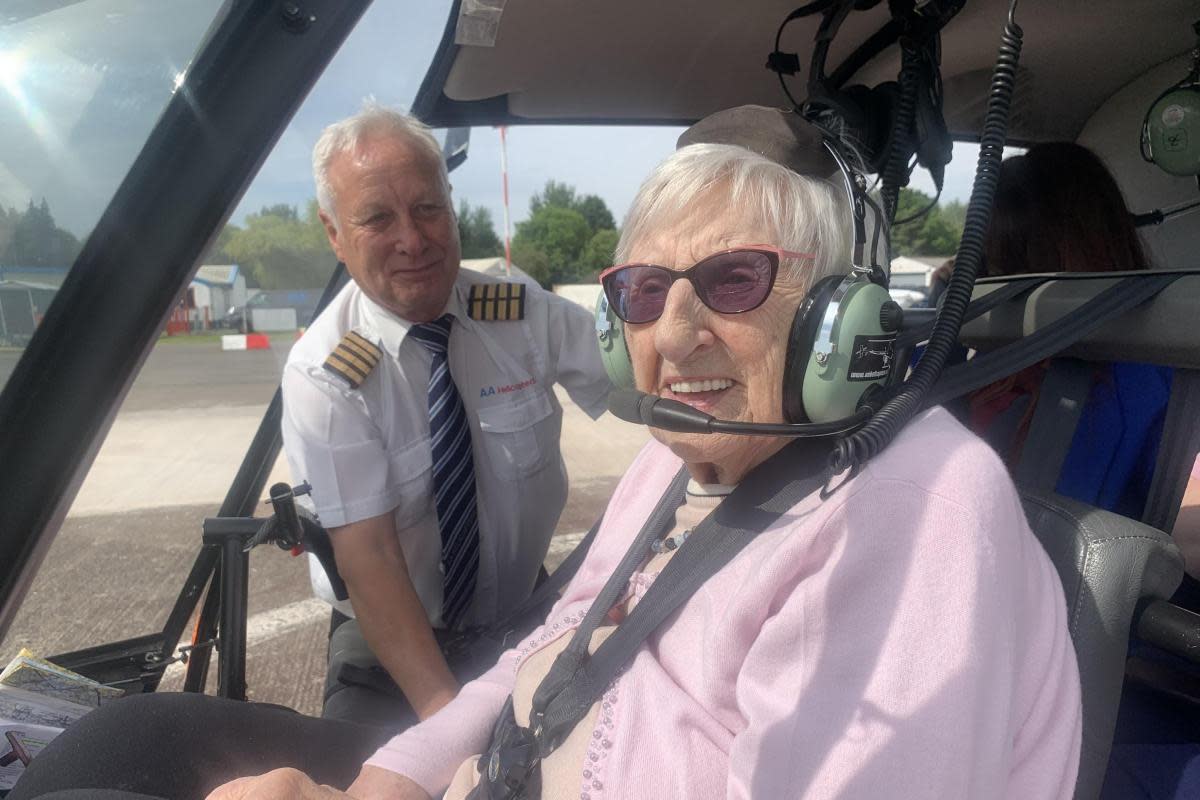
(614, 353)
(1171, 131)
(806, 325)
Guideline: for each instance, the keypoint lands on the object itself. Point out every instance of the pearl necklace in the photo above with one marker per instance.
(669, 543)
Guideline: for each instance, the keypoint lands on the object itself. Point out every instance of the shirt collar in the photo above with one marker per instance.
(390, 330)
(697, 489)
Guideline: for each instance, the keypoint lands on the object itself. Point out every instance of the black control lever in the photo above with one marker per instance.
(293, 528)
(287, 533)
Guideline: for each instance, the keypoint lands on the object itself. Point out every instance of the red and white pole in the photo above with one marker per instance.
(504, 179)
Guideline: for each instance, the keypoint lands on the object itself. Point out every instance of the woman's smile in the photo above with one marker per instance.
(700, 393)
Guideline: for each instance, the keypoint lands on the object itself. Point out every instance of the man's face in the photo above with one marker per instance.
(394, 226)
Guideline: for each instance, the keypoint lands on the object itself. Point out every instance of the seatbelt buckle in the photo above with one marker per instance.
(511, 768)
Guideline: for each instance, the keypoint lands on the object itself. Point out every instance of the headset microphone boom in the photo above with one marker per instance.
(672, 415)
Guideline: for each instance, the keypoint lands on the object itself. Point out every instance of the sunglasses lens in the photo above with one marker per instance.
(638, 293)
(734, 282)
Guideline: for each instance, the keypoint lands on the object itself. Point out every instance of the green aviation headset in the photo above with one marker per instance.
(1171, 128)
(842, 340)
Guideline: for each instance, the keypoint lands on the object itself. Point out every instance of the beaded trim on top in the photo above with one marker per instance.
(669, 543)
(600, 746)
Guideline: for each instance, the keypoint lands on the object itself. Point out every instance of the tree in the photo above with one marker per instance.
(561, 195)
(560, 234)
(598, 254)
(476, 232)
(218, 251)
(33, 239)
(955, 213)
(556, 194)
(596, 212)
(533, 261)
(281, 210)
(573, 235)
(8, 224)
(930, 234)
(278, 249)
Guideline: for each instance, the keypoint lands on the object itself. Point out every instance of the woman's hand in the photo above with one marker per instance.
(374, 783)
(279, 784)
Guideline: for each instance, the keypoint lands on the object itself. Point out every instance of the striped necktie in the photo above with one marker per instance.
(453, 474)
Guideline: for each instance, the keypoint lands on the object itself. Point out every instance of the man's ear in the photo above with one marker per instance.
(331, 231)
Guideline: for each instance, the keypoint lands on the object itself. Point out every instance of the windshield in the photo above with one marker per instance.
(178, 437)
(81, 85)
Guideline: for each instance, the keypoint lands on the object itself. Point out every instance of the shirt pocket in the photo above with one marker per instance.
(519, 437)
(410, 481)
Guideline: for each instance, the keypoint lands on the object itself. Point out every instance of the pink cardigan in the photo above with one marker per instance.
(906, 638)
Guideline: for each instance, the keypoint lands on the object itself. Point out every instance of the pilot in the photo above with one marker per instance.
(419, 405)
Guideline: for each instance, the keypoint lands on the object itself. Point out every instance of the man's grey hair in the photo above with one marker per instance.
(374, 120)
(801, 213)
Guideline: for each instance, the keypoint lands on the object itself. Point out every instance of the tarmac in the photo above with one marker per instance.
(133, 531)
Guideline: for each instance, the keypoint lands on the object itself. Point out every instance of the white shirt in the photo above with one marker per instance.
(366, 451)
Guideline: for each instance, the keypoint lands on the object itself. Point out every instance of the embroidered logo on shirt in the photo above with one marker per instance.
(496, 301)
(353, 359)
(488, 391)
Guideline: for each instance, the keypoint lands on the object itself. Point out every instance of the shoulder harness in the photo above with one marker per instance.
(496, 301)
(353, 359)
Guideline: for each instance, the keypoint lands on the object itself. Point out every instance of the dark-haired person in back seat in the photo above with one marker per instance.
(1058, 209)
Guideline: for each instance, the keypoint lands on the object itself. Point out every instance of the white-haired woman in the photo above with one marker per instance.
(904, 637)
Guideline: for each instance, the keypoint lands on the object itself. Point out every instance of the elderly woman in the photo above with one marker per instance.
(902, 637)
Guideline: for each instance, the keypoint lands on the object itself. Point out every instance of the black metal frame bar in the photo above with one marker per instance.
(151, 654)
(240, 501)
(229, 536)
(255, 68)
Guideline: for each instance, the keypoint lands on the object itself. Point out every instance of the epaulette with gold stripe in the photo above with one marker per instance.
(496, 301)
(353, 359)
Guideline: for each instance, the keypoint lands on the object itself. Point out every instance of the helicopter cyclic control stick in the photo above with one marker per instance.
(294, 528)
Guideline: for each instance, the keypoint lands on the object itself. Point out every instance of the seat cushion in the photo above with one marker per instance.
(1107, 563)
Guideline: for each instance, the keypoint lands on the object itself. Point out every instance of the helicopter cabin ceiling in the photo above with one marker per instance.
(675, 61)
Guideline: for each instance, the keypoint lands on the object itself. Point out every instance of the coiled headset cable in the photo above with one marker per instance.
(886, 423)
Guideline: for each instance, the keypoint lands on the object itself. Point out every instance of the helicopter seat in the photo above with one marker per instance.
(1108, 565)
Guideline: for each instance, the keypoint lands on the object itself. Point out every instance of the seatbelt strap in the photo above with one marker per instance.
(1001, 432)
(577, 681)
(977, 308)
(1060, 403)
(659, 521)
(1176, 451)
(1049, 340)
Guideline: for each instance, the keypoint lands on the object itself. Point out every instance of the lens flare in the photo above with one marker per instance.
(12, 68)
(21, 100)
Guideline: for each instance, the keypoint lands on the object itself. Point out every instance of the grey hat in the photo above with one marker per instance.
(774, 133)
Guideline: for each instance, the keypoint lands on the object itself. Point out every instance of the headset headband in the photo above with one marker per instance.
(791, 141)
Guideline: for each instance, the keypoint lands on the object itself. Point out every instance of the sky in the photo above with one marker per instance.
(82, 86)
